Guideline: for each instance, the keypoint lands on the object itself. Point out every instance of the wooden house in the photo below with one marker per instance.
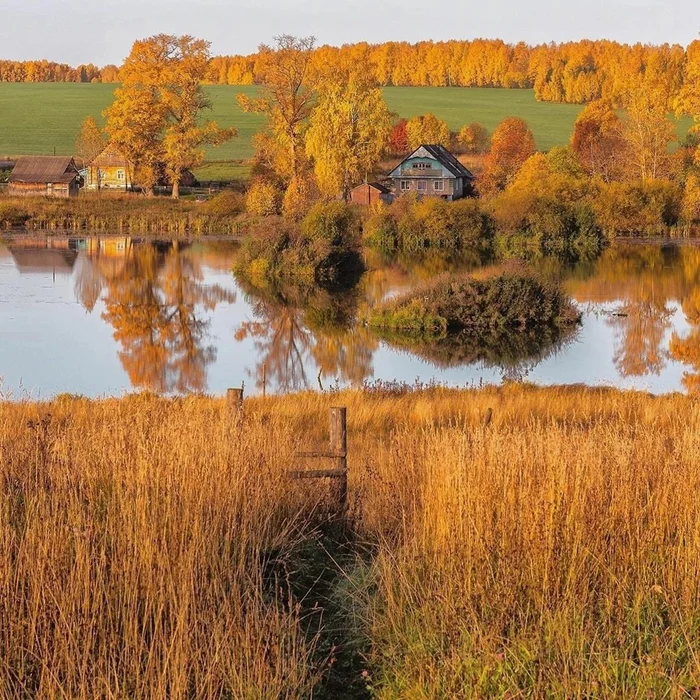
(51, 176)
(110, 170)
(432, 171)
(370, 193)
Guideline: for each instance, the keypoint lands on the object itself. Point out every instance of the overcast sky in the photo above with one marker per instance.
(80, 31)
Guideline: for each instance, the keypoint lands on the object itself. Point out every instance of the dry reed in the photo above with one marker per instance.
(553, 553)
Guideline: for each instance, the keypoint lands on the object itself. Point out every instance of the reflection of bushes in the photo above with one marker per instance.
(321, 250)
(514, 299)
(508, 350)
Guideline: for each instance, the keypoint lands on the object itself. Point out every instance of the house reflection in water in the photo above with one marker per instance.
(153, 296)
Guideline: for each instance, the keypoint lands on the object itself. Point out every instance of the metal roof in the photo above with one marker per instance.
(442, 156)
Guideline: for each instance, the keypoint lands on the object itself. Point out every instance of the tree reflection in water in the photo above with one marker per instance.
(296, 328)
(156, 302)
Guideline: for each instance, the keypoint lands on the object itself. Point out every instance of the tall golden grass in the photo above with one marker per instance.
(145, 545)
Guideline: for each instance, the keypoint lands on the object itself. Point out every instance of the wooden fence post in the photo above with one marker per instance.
(264, 378)
(339, 447)
(234, 401)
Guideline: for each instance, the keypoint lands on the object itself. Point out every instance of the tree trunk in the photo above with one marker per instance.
(176, 188)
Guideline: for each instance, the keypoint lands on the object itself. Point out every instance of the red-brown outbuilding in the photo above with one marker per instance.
(370, 193)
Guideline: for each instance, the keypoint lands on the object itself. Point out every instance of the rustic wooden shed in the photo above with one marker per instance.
(51, 176)
(370, 193)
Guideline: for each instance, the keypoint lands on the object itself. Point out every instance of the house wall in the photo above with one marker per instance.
(110, 177)
(61, 190)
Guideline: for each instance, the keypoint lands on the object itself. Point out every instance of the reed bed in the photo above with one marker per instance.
(554, 552)
(116, 214)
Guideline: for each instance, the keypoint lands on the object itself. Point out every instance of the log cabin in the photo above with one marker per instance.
(50, 176)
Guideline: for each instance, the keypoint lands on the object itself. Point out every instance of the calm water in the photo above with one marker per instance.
(105, 316)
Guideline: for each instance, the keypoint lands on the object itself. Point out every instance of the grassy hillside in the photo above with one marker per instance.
(36, 118)
(158, 548)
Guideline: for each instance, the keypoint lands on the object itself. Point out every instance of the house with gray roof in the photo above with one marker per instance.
(432, 171)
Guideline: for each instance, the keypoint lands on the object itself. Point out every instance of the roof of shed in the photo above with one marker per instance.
(41, 169)
(375, 185)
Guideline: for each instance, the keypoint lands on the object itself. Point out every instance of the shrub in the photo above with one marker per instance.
(12, 214)
(319, 250)
(430, 223)
(638, 208)
(514, 299)
(332, 222)
(531, 225)
(263, 199)
(226, 203)
(381, 232)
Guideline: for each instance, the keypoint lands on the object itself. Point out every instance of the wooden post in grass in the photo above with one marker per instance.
(234, 401)
(339, 447)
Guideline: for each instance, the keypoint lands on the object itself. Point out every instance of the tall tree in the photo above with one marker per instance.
(348, 132)
(289, 90)
(161, 103)
(90, 141)
(647, 131)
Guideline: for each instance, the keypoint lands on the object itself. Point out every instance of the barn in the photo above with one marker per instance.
(50, 176)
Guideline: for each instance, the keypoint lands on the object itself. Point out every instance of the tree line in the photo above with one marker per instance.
(572, 72)
(51, 72)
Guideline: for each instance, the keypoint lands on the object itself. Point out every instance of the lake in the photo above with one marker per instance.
(104, 316)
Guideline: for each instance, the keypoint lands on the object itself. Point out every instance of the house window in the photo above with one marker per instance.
(120, 174)
(422, 185)
(439, 185)
(405, 185)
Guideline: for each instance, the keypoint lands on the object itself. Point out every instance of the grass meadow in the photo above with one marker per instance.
(36, 118)
(157, 548)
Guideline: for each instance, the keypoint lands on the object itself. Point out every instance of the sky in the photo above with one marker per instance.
(101, 32)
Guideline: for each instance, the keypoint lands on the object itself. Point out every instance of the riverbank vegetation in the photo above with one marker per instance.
(510, 300)
(321, 249)
(111, 213)
(127, 568)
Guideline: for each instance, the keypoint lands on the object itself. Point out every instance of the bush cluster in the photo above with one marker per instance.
(411, 226)
(515, 299)
(315, 251)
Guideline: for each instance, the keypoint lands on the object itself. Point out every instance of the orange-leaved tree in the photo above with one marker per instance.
(512, 144)
(156, 117)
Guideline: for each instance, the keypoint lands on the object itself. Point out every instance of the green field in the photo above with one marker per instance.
(37, 118)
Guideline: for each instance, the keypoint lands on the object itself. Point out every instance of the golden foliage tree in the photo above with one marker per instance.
(157, 112)
(427, 129)
(647, 131)
(288, 95)
(474, 138)
(348, 132)
(90, 141)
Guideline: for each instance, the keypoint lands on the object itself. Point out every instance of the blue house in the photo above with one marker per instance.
(432, 171)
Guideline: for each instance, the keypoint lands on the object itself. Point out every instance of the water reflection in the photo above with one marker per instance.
(297, 328)
(102, 315)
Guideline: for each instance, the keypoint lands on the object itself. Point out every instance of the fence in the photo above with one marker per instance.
(337, 447)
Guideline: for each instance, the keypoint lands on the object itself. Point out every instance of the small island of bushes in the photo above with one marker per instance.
(514, 299)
